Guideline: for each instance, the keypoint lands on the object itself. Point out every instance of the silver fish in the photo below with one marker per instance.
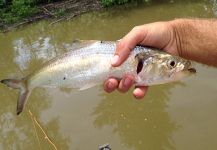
(89, 64)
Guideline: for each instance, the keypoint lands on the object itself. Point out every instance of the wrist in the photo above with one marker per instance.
(196, 39)
(179, 27)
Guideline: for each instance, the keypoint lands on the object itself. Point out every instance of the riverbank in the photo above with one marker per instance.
(17, 13)
(58, 11)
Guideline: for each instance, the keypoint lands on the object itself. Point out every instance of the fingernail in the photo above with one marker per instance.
(136, 91)
(127, 82)
(115, 59)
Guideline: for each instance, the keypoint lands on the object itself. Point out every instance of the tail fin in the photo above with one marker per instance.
(24, 92)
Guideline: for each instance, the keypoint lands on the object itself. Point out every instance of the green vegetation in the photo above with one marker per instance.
(59, 12)
(107, 3)
(12, 11)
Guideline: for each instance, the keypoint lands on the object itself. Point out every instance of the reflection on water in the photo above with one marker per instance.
(22, 54)
(25, 52)
(18, 132)
(140, 124)
(214, 8)
(86, 119)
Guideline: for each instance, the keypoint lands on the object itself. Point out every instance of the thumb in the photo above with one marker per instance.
(126, 44)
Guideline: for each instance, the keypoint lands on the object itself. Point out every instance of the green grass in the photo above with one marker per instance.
(16, 10)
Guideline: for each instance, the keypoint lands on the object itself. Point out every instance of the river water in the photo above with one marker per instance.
(177, 116)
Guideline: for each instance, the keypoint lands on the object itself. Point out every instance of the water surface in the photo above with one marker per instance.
(175, 116)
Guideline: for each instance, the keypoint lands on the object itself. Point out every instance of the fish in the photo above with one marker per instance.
(88, 63)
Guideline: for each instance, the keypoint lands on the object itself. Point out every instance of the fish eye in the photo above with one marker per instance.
(172, 64)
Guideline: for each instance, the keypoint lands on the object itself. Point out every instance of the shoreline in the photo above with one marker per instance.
(68, 9)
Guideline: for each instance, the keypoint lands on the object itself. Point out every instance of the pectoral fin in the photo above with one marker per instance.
(87, 86)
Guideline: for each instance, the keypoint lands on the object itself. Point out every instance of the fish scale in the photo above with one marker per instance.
(89, 64)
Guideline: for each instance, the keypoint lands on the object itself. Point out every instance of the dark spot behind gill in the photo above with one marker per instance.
(64, 78)
(139, 66)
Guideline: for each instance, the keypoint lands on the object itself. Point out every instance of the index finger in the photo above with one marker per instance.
(126, 44)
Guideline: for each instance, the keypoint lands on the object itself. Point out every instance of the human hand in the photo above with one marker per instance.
(160, 35)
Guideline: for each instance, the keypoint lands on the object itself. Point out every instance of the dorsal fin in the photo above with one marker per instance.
(77, 44)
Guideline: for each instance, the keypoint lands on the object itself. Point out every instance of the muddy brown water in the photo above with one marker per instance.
(177, 116)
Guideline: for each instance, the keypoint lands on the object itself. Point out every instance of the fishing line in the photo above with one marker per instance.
(42, 130)
(31, 116)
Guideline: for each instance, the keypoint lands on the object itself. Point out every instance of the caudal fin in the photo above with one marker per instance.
(24, 92)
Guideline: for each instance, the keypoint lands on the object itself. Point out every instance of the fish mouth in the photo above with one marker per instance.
(192, 70)
(189, 67)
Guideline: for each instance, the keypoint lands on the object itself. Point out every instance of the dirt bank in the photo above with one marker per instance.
(58, 11)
